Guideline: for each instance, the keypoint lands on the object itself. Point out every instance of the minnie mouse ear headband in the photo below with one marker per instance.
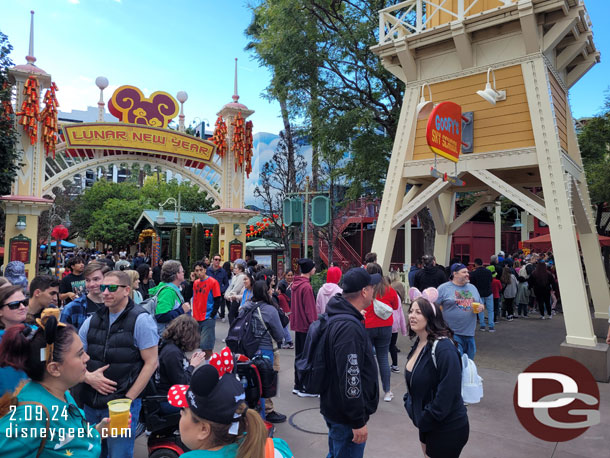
(430, 294)
(214, 393)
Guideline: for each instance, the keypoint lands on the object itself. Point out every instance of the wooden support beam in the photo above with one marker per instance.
(572, 51)
(560, 29)
(511, 193)
(578, 72)
(420, 201)
(437, 216)
(473, 210)
(529, 26)
(463, 44)
(407, 61)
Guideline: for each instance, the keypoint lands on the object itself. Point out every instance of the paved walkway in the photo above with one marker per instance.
(495, 431)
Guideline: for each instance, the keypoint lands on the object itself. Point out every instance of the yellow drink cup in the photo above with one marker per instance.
(119, 414)
(477, 307)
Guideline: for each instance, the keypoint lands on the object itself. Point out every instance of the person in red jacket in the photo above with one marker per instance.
(302, 314)
(379, 328)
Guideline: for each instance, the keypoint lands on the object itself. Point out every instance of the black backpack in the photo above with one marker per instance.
(311, 365)
(243, 337)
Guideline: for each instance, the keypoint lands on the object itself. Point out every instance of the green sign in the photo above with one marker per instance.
(320, 211)
(292, 211)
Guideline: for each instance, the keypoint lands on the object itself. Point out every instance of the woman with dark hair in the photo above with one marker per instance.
(267, 327)
(180, 336)
(248, 285)
(378, 321)
(54, 359)
(13, 307)
(146, 280)
(433, 375)
(13, 311)
(156, 272)
(510, 284)
(542, 281)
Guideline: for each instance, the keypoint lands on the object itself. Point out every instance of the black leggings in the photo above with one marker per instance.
(233, 311)
(544, 300)
(445, 444)
(393, 349)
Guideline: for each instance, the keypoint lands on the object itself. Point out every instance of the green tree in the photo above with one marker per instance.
(193, 198)
(112, 224)
(9, 155)
(215, 245)
(594, 143)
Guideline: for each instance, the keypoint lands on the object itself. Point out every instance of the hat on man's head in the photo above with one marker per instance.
(333, 275)
(306, 265)
(210, 396)
(358, 278)
(457, 266)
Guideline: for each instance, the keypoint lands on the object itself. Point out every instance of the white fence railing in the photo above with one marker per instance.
(414, 16)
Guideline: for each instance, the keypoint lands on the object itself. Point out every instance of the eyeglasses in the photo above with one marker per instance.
(111, 288)
(216, 259)
(16, 304)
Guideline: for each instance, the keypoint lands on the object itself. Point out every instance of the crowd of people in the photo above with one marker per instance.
(126, 349)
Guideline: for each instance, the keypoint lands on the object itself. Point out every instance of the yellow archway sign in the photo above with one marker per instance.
(132, 137)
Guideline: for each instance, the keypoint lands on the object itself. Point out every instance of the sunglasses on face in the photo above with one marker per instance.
(16, 304)
(216, 259)
(111, 288)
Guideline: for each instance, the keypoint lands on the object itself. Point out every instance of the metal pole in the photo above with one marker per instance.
(498, 228)
(178, 227)
(306, 213)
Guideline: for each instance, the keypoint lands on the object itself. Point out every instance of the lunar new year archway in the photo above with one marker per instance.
(468, 52)
(54, 153)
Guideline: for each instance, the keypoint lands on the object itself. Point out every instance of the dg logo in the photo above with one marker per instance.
(556, 399)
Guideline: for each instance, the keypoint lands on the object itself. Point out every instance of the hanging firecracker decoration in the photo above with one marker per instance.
(248, 148)
(49, 120)
(220, 137)
(238, 146)
(30, 109)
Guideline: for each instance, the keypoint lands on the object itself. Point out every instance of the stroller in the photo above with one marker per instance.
(164, 436)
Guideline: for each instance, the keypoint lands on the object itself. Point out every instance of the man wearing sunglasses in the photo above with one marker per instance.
(44, 292)
(220, 275)
(121, 340)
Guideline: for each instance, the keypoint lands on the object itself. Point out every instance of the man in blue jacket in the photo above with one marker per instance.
(220, 275)
(352, 394)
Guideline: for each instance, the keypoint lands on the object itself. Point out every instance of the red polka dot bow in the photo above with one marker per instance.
(223, 361)
(176, 396)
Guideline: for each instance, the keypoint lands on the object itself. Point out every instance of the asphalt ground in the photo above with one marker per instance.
(495, 431)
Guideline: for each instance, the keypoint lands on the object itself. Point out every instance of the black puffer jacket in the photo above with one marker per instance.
(430, 276)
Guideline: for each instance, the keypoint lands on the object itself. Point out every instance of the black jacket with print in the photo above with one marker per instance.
(352, 394)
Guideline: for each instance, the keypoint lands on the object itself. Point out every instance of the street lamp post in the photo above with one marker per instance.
(161, 219)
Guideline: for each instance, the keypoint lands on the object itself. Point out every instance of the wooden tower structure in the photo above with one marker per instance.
(537, 50)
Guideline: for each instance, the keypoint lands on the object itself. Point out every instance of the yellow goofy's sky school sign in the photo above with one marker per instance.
(132, 137)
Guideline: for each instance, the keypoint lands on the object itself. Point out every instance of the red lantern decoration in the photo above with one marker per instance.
(251, 228)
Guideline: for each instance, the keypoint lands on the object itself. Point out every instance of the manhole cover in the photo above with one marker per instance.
(309, 421)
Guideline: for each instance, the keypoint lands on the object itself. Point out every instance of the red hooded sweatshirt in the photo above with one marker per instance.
(302, 305)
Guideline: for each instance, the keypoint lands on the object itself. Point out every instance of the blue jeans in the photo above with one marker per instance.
(380, 338)
(466, 345)
(287, 336)
(119, 447)
(488, 302)
(340, 443)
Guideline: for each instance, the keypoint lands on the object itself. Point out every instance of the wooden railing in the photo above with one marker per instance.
(415, 16)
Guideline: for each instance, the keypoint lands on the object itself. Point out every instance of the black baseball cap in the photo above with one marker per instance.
(358, 278)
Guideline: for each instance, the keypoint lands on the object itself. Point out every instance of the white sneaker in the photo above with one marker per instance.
(388, 396)
(302, 394)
